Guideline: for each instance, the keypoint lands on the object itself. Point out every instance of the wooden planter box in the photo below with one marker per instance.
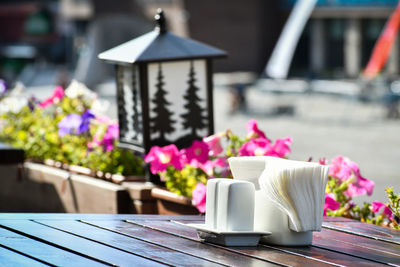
(169, 203)
(40, 188)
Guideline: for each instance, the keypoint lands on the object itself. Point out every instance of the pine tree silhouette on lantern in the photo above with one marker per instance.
(136, 116)
(193, 119)
(162, 121)
(122, 119)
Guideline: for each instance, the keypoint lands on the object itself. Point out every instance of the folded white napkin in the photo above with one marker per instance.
(298, 189)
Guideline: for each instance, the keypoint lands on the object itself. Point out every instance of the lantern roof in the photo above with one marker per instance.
(160, 45)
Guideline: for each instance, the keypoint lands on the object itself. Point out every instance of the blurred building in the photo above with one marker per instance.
(339, 38)
(246, 30)
(336, 43)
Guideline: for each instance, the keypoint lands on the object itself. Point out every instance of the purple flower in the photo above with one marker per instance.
(75, 123)
(69, 124)
(33, 102)
(3, 87)
(86, 117)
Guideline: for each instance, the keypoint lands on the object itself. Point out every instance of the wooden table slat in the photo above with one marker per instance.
(330, 256)
(370, 245)
(75, 244)
(102, 217)
(337, 219)
(301, 255)
(366, 230)
(39, 250)
(348, 245)
(129, 244)
(11, 258)
(192, 247)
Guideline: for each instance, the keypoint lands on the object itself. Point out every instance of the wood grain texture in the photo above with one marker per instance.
(363, 242)
(337, 219)
(208, 252)
(101, 217)
(129, 244)
(295, 256)
(11, 258)
(39, 250)
(379, 251)
(366, 230)
(72, 243)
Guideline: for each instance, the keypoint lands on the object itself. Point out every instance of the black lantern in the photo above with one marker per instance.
(164, 89)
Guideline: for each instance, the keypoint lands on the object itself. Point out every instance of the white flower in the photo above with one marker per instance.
(18, 90)
(13, 104)
(77, 89)
(100, 107)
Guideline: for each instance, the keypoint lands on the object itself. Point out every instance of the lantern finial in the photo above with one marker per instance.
(161, 21)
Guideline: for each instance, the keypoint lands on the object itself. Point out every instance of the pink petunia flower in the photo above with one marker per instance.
(281, 147)
(56, 96)
(110, 136)
(160, 157)
(343, 168)
(361, 186)
(263, 147)
(199, 197)
(256, 147)
(198, 151)
(223, 166)
(221, 162)
(253, 131)
(323, 161)
(208, 167)
(105, 139)
(330, 203)
(377, 206)
(214, 143)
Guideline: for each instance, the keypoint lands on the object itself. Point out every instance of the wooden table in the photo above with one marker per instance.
(155, 240)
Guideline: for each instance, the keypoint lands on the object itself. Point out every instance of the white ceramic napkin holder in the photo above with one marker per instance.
(229, 214)
(267, 215)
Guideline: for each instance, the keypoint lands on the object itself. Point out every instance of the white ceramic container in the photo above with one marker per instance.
(267, 216)
(230, 205)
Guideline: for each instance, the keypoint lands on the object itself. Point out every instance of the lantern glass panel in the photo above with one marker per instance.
(131, 103)
(177, 101)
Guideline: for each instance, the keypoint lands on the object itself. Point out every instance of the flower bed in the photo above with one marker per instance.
(80, 167)
(186, 172)
(68, 130)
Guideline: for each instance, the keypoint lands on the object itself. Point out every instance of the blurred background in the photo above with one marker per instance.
(324, 104)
